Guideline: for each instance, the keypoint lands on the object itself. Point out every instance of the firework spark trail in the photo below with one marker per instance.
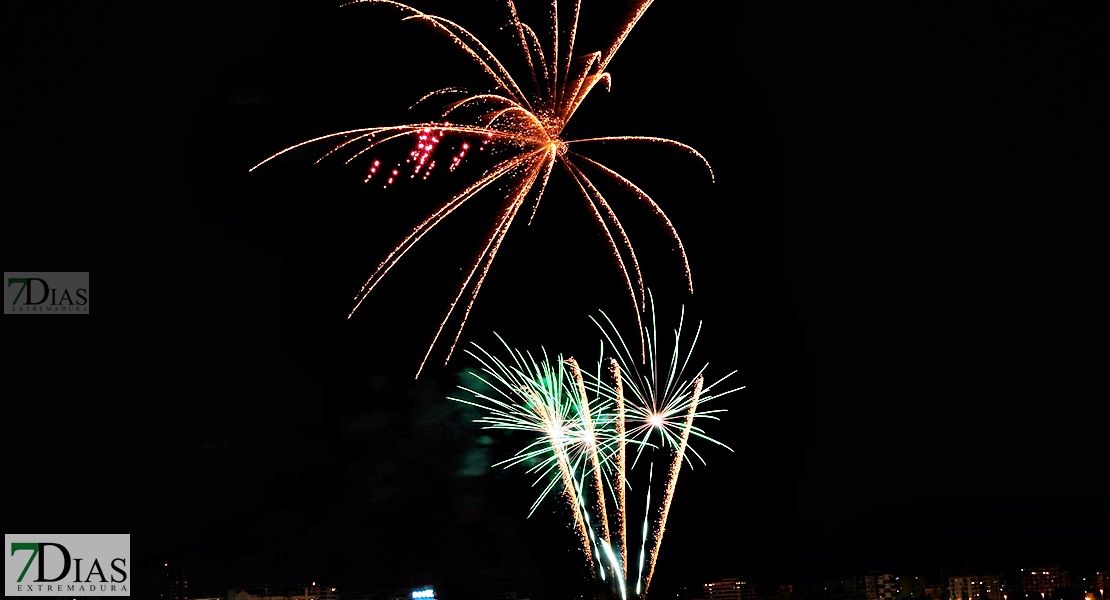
(424, 227)
(644, 535)
(594, 194)
(556, 438)
(612, 243)
(537, 48)
(672, 481)
(490, 251)
(526, 121)
(497, 72)
(549, 167)
(593, 536)
(649, 138)
(655, 208)
(400, 130)
(567, 103)
(619, 484)
(591, 440)
(624, 34)
(524, 45)
(569, 58)
(553, 75)
(591, 81)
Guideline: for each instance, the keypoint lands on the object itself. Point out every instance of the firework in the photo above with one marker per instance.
(525, 123)
(583, 424)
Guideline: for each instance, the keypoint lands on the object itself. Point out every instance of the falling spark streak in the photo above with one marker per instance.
(612, 243)
(620, 484)
(672, 481)
(612, 561)
(583, 423)
(591, 441)
(490, 251)
(553, 74)
(592, 193)
(423, 229)
(524, 45)
(655, 207)
(568, 483)
(527, 125)
(644, 534)
(627, 29)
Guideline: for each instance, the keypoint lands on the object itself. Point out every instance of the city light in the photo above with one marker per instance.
(428, 593)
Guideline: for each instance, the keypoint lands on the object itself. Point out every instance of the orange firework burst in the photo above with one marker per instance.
(529, 121)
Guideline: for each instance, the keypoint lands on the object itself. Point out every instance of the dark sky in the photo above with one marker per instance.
(898, 255)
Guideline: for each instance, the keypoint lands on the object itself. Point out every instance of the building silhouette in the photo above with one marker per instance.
(976, 587)
(880, 586)
(730, 589)
(172, 583)
(263, 591)
(1043, 581)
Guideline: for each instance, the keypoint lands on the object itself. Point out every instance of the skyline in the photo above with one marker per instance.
(1055, 581)
(897, 255)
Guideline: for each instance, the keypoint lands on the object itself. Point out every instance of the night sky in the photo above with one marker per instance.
(899, 255)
